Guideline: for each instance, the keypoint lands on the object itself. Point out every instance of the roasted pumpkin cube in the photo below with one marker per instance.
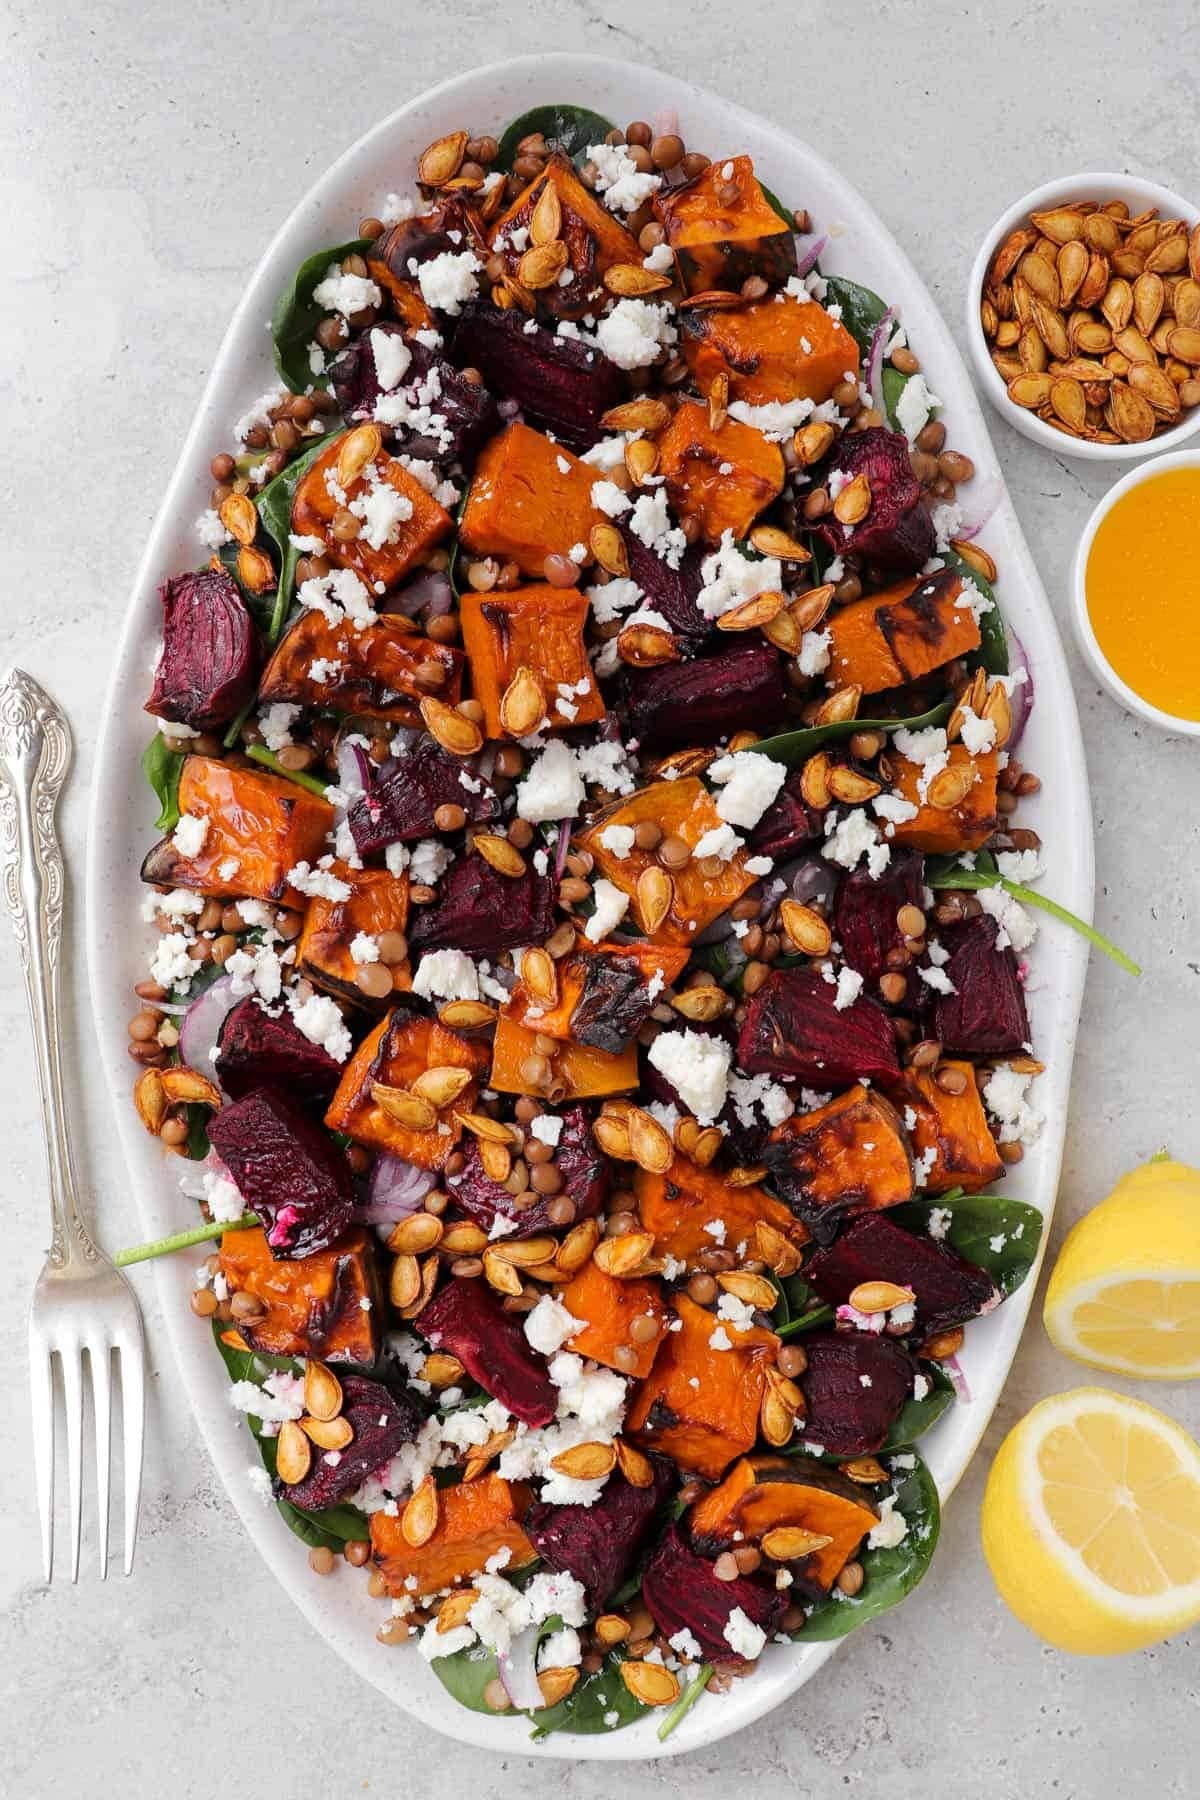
(378, 902)
(594, 240)
(328, 1304)
(723, 229)
(401, 1047)
(679, 1207)
(684, 809)
(382, 671)
(764, 1493)
(258, 826)
(572, 1072)
(849, 1156)
(604, 994)
(476, 1520)
(537, 628)
(722, 478)
(900, 635)
(700, 1403)
(953, 1127)
(608, 1309)
(940, 830)
(777, 349)
(404, 540)
(528, 498)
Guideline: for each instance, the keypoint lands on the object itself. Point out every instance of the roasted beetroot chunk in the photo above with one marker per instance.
(288, 1170)
(560, 384)
(599, 1544)
(701, 701)
(865, 909)
(585, 1178)
(947, 1289)
(788, 824)
(671, 592)
(383, 1422)
(209, 661)
(255, 1050)
(682, 1592)
(481, 911)
(465, 1318)
(985, 1015)
(896, 535)
(401, 804)
(615, 1003)
(845, 1414)
(793, 1028)
(465, 409)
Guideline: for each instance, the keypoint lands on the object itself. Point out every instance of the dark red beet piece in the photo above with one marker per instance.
(465, 1318)
(896, 535)
(288, 1170)
(985, 1015)
(481, 911)
(788, 824)
(561, 384)
(701, 701)
(401, 804)
(947, 1288)
(683, 1593)
(671, 592)
(842, 1413)
(467, 407)
(584, 1171)
(614, 1005)
(865, 909)
(256, 1050)
(209, 663)
(599, 1544)
(793, 1028)
(383, 1422)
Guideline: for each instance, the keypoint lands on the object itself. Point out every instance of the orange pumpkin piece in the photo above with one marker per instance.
(685, 809)
(723, 229)
(258, 826)
(538, 628)
(954, 1127)
(851, 1154)
(571, 974)
(476, 1519)
(401, 1048)
(407, 303)
(381, 672)
(900, 635)
(528, 498)
(942, 830)
(699, 1405)
(677, 1208)
(594, 239)
(764, 1493)
(378, 902)
(722, 478)
(314, 1305)
(776, 349)
(576, 1071)
(314, 507)
(609, 1308)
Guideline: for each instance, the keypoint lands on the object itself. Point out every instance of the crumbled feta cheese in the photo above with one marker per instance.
(612, 598)
(364, 948)
(650, 521)
(428, 862)
(938, 980)
(382, 509)
(611, 905)
(619, 179)
(610, 499)
(392, 358)
(749, 784)
(852, 837)
(547, 1128)
(346, 294)
(729, 577)
(892, 1528)
(743, 1636)
(849, 987)
(776, 419)
(549, 1325)
(618, 840)
(553, 787)
(210, 531)
(697, 1068)
(722, 841)
(1004, 1097)
(448, 281)
(813, 658)
(317, 1016)
(319, 882)
(189, 835)
(1016, 926)
(339, 596)
(635, 332)
(446, 975)
(914, 406)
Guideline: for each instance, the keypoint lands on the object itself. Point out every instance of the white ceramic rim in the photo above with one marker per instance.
(1088, 641)
(1092, 185)
(118, 832)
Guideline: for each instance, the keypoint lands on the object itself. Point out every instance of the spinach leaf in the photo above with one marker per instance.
(916, 1416)
(861, 309)
(993, 650)
(162, 769)
(590, 1703)
(776, 203)
(889, 1575)
(991, 1231)
(258, 605)
(567, 128)
(466, 1674)
(893, 384)
(808, 1320)
(297, 315)
(275, 516)
(795, 747)
(333, 1527)
(197, 1137)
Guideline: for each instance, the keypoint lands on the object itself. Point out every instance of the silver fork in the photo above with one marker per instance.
(82, 1306)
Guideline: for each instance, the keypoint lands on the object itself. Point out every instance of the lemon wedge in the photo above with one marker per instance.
(1125, 1292)
(1091, 1523)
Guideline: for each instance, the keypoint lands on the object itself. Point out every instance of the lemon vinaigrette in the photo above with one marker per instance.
(1142, 586)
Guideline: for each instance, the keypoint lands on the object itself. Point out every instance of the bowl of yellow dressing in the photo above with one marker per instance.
(1137, 592)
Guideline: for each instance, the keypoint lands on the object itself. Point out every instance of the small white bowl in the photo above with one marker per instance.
(1088, 642)
(1137, 195)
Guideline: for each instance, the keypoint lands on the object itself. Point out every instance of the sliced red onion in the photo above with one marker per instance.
(808, 877)
(517, 1669)
(957, 1379)
(988, 499)
(396, 1190)
(429, 592)
(879, 338)
(807, 261)
(715, 933)
(1021, 694)
(178, 1007)
(354, 771)
(564, 845)
(202, 1024)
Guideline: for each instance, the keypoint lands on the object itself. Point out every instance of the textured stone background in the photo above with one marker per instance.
(146, 153)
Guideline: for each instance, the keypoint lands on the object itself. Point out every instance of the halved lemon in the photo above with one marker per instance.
(1091, 1523)
(1125, 1292)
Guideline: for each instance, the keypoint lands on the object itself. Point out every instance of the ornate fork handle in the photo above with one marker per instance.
(35, 755)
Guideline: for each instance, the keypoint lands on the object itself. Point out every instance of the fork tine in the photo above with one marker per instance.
(71, 1360)
(99, 1356)
(133, 1404)
(41, 1380)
